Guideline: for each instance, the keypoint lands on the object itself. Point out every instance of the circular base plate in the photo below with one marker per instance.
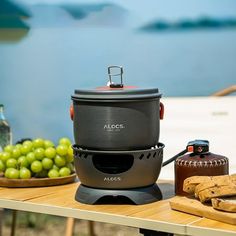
(136, 196)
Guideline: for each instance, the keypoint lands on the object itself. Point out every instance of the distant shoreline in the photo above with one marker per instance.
(188, 24)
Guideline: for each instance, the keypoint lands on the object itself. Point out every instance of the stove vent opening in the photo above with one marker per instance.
(114, 200)
(113, 164)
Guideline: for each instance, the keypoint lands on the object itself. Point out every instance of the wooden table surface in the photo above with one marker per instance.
(59, 200)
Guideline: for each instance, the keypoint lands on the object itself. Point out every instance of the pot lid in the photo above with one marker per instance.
(116, 91)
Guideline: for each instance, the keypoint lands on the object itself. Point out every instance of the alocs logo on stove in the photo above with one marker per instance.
(113, 127)
(112, 179)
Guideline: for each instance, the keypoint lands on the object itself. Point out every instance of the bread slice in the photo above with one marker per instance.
(190, 183)
(214, 181)
(224, 204)
(217, 191)
(206, 187)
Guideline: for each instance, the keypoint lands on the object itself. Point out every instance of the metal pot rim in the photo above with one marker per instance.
(116, 94)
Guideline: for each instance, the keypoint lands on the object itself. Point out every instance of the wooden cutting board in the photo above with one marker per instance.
(195, 207)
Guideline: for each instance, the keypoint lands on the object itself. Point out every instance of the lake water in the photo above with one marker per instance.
(41, 68)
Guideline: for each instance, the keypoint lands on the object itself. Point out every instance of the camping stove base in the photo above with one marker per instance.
(138, 196)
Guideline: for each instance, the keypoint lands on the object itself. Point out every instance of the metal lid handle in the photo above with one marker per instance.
(111, 83)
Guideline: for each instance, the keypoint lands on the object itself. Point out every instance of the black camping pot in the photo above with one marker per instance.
(116, 117)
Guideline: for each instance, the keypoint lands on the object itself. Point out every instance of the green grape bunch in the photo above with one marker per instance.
(38, 158)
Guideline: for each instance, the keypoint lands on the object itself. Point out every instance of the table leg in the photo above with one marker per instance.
(13, 224)
(1, 219)
(91, 228)
(148, 232)
(70, 224)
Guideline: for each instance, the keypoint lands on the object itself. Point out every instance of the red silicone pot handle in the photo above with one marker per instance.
(161, 111)
(71, 112)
